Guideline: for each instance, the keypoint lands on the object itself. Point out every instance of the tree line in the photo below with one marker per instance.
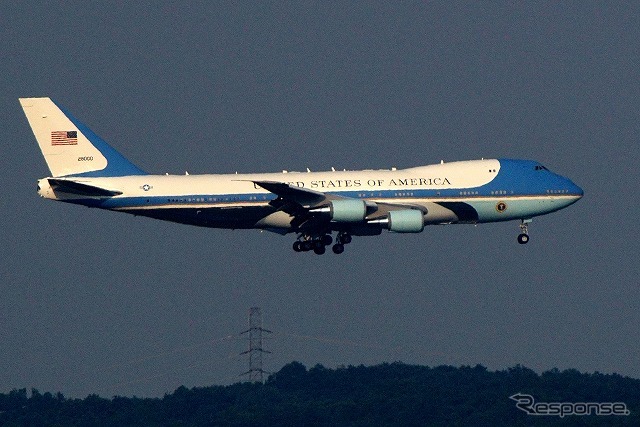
(386, 394)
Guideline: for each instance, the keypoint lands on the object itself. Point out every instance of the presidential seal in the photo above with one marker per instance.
(501, 207)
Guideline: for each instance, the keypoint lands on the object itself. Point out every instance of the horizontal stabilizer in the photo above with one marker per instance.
(77, 188)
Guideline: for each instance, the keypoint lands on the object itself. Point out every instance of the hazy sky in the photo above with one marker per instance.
(101, 302)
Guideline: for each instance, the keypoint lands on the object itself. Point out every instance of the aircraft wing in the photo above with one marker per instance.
(310, 198)
(301, 196)
(308, 206)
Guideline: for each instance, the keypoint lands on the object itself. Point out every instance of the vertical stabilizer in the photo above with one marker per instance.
(69, 147)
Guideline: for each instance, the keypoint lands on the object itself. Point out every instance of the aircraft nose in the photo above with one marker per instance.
(574, 189)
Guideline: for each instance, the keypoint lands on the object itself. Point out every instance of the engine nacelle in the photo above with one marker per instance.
(406, 221)
(348, 210)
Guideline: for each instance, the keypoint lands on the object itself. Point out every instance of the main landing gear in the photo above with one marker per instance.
(318, 244)
(523, 237)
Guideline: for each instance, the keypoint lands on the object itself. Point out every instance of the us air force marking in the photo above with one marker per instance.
(146, 187)
(501, 207)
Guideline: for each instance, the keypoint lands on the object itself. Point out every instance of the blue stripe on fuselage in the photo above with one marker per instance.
(516, 178)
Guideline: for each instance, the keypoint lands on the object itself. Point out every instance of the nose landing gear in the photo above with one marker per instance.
(523, 237)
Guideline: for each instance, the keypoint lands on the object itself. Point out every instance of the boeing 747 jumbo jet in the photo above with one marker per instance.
(85, 170)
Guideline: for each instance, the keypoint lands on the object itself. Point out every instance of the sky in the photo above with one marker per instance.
(102, 302)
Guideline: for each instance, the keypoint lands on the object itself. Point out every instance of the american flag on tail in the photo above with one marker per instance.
(64, 137)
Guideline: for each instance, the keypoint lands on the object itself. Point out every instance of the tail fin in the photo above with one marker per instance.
(69, 147)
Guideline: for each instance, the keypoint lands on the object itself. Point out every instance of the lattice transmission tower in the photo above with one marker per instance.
(255, 351)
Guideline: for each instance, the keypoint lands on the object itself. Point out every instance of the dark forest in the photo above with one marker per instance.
(386, 394)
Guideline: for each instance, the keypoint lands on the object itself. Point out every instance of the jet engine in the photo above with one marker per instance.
(348, 210)
(404, 221)
(407, 221)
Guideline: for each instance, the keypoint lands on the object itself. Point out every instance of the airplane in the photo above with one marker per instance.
(85, 170)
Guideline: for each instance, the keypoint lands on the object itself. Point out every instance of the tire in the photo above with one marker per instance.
(523, 239)
(319, 250)
(338, 248)
(346, 238)
(297, 246)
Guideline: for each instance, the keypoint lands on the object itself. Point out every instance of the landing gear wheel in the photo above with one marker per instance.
(523, 238)
(319, 250)
(327, 240)
(345, 238)
(307, 245)
(297, 246)
(338, 248)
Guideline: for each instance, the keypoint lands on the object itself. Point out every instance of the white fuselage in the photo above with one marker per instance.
(456, 192)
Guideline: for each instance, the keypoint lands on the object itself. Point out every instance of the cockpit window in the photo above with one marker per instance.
(541, 168)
